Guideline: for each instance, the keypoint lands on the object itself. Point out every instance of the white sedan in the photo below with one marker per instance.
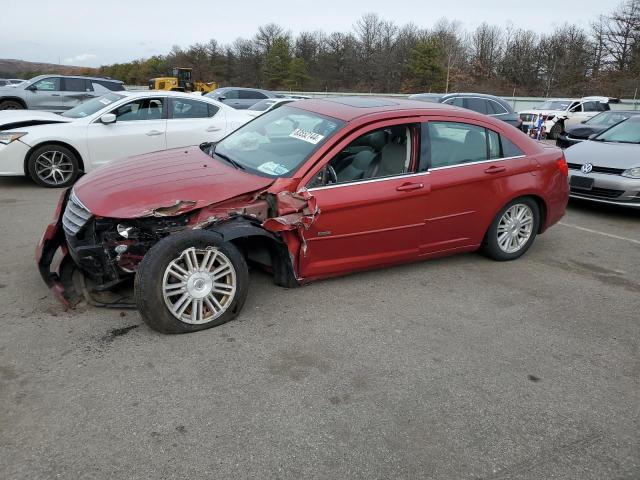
(54, 149)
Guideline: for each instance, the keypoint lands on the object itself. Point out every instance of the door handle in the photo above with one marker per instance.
(407, 187)
(213, 129)
(495, 169)
(55, 94)
(153, 133)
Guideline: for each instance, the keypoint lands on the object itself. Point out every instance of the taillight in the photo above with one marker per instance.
(562, 165)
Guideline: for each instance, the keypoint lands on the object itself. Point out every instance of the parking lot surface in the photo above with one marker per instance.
(458, 368)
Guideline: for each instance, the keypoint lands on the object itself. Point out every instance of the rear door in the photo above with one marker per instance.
(45, 94)
(371, 200)
(192, 122)
(472, 170)
(75, 91)
(140, 127)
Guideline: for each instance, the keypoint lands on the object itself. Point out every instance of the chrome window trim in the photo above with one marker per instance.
(475, 163)
(370, 180)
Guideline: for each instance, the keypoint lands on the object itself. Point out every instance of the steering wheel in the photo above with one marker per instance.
(331, 175)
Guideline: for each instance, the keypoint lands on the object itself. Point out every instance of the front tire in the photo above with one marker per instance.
(11, 105)
(191, 281)
(513, 230)
(53, 166)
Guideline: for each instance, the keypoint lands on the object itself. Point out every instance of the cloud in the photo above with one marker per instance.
(82, 57)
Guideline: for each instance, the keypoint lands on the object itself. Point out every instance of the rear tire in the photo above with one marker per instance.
(53, 166)
(11, 105)
(176, 291)
(513, 230)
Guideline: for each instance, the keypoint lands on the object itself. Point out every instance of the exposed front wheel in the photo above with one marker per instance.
(513, 230)
(11, 105)
(53, 166)
(191, 281)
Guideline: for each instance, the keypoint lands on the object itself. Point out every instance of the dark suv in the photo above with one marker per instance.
(478, 102)
(55, 93)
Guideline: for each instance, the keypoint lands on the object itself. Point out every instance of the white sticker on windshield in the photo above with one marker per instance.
(273, 168)
(306, 135)
(104, 101)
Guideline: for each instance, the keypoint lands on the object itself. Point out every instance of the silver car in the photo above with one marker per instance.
(240, 98)
(55, 93)
(606, 168)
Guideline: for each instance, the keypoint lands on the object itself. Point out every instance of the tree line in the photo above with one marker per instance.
(379, 56)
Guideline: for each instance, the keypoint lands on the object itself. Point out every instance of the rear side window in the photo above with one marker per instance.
(185, 108)
(447, 144)
(251, 95)
(76, 85)
(509, 149)
(477, 105)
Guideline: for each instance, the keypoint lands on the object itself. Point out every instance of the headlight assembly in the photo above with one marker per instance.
(632, 173)
(8, 137)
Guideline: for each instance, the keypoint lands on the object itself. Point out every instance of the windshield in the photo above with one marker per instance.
(606, 119)
(553, 105)
(92, 106)
(276, 143)
(625, 132)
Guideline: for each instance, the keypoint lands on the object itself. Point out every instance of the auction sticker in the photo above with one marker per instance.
(306, 135)
(104, 101)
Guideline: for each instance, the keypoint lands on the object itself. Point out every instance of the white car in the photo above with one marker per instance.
(54, 149)
(266, 105)
(571, 111)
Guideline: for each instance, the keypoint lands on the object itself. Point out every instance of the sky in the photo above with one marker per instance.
(89, 33)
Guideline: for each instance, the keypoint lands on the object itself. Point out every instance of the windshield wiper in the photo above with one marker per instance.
(227, 159)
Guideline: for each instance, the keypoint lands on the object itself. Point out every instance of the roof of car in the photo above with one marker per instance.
(350, 108)
(76, 76)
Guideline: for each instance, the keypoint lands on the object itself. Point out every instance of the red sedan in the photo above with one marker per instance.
(313, 189)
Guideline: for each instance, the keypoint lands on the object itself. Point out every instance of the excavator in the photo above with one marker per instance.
(179, 79)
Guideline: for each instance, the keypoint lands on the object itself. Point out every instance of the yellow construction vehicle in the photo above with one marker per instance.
(179, 80)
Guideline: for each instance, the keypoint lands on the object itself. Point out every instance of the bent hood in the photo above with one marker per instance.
(603, 154)
(174, 181)
(10, 119)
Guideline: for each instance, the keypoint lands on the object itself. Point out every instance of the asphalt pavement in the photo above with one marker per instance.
(457, 368)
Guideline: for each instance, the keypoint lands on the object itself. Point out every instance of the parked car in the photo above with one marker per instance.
(55, 93)
(571, 112)
(478, 102)
(310, 190)
(592, 126)
(606, 169)
(240, 98)
(54, 149)
(267, 105)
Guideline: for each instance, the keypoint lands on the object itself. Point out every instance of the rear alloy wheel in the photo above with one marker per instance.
(53, 166)
(191, 281)
(11, 105)
(513, 230)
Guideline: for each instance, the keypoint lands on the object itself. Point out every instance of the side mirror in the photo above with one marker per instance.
(583, 121)
(108, 118)
(32, 88)
(592, 136)
(221, 98)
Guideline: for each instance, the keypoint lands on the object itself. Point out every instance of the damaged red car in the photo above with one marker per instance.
(311, 190)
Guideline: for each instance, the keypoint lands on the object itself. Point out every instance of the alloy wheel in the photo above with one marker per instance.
(199, 285)
(515, 227)
(54, 167)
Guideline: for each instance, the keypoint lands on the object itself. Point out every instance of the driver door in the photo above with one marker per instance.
(372, 203)
(45, 94)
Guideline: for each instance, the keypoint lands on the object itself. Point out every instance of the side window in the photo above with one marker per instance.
(252, 95)
(509, 149)
(75, 85)
(142, 109)
(385, 152)
(48, 84)
(494, 144)
(476, 104)
(576, 108)
(452, 143)
(212, 110)
(591, 107)
(456, 101)
(184, 108)
(231, 94)
(495, 108)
